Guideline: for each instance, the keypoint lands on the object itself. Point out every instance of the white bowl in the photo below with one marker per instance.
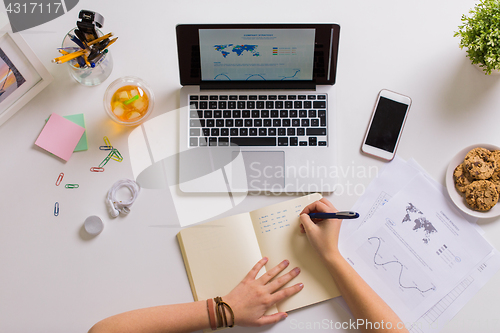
(459, 199)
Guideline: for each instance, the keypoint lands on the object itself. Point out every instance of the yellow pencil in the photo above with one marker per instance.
(86, 60)
(100, 39)
(110, 42)
(69, 57)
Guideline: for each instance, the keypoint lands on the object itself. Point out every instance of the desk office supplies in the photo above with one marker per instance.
(91, 64)
(59, 179)
(89, 21)
(60, 136)
(337, 215)
(106, 159)
(91, 71)
(71, 186)
(69, 56)
(116, 155)
(106, 141)
(97, 169)
(278, 112)
(79, 119)
(100, 39)
(129, 101)
(56, 209)
(234, 244)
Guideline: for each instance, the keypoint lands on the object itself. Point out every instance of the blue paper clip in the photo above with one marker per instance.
(56, 209)
(106, 147)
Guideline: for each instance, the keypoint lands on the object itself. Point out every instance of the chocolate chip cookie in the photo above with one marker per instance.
(462, 178)
(495, 155)
(479, 163)
(481, 195)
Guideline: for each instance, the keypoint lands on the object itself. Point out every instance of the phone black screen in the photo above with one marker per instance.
(386, 125)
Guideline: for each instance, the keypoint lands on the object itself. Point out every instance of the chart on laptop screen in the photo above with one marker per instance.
(256, 54)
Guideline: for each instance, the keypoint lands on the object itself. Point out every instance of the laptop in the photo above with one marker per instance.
(258, 107)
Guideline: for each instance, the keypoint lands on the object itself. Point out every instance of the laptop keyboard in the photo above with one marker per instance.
(258, 120)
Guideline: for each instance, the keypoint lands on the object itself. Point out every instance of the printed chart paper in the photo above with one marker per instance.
(416, 250)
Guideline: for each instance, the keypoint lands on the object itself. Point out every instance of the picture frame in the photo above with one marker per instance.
(22, 74)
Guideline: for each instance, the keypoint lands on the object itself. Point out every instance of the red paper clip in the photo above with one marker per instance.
(96, 169)
(59, 179)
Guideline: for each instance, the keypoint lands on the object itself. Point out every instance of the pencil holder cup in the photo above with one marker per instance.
(92, 75)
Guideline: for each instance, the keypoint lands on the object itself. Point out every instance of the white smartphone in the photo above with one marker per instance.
(386, 124)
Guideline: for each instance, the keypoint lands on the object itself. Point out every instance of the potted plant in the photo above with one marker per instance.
(480, 35)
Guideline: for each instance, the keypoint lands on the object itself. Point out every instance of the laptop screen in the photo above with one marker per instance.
(257, 54)
(245, 55)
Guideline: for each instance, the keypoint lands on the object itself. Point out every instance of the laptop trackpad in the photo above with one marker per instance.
(265, 170)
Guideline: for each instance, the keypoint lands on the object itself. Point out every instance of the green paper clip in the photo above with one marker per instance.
(72, 186)
(106, 160)
(116, 155)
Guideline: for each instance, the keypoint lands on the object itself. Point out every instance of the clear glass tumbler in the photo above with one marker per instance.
(88, 76)
(129, 101)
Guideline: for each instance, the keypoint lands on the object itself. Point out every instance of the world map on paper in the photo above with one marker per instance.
(227, 49)
(413, 214)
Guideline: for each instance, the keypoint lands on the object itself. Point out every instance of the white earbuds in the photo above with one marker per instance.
(112, 209)
(116, 207)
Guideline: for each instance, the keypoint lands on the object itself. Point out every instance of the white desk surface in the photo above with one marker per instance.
(53, 278)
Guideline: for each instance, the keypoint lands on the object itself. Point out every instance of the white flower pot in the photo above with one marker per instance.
(493, 71)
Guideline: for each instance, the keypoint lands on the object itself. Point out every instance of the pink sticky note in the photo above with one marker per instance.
(60, 136)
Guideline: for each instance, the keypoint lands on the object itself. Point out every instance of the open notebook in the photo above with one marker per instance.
(219, 254)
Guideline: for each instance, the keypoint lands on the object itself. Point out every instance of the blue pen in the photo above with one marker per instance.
(77, 41)
(337, 215)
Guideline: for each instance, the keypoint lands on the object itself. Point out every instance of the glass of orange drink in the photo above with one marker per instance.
(129, 101)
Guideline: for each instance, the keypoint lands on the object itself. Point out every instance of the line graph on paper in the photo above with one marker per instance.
(399, 272)
(396, 262)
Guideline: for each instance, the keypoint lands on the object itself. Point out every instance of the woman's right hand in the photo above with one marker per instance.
(322, 234)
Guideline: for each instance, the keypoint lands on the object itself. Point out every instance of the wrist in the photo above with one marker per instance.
(332, 257)
(222, 313)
